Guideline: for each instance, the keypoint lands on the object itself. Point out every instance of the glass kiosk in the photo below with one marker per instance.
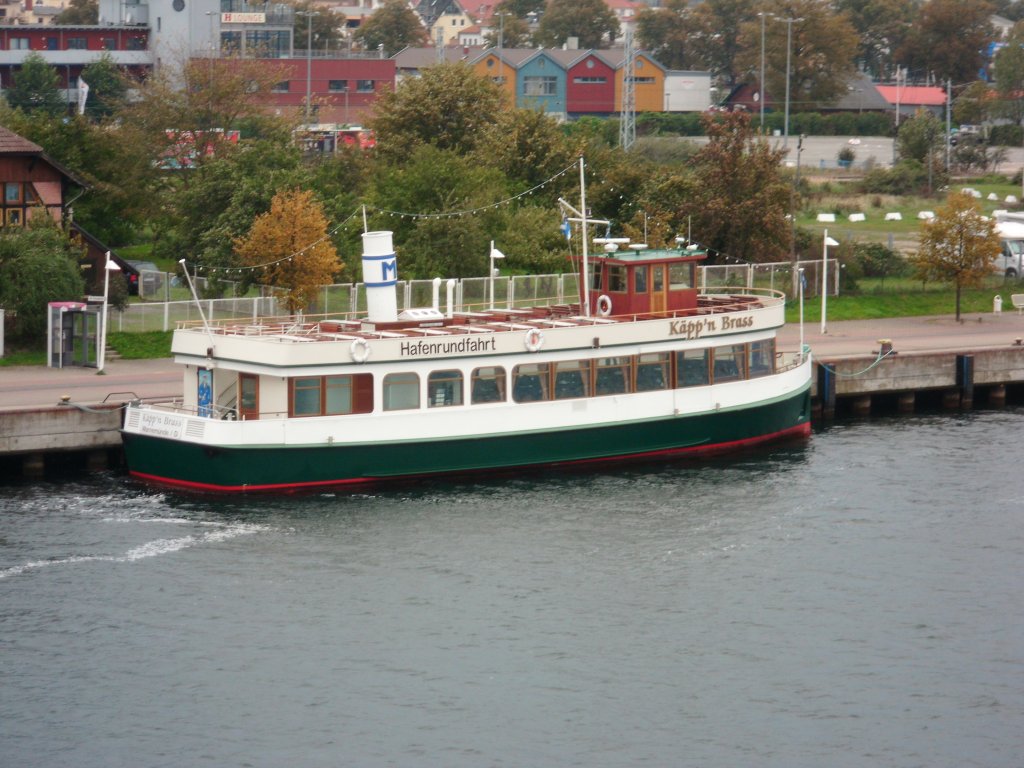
(73, 330)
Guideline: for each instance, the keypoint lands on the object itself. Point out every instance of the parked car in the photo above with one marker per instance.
(966, 133)
(150, 275)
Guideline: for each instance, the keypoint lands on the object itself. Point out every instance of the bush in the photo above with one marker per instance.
(1006, 136)
(877, 260)
(905, 178)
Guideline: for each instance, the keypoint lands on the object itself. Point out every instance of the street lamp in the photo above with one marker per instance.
(309, 61)
(763, 16)
(789, 52)
(495, 254)
(110, 266)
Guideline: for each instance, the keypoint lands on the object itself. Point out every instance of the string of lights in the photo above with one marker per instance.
(211, 270)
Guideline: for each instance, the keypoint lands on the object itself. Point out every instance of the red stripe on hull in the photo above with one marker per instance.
(800, 430)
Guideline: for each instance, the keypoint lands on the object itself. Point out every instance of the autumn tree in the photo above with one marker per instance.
(35, 88)
(958, 245)
(592, 22)
(509, 29)
(881, 26)
(717, 36)
(291, 245)
(449, 106)
(821, 54)
(327, 25)
(666, 32)
(947, 38)
(393, 26)
(741, 201)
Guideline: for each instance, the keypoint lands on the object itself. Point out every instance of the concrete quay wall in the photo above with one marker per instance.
(31, 436)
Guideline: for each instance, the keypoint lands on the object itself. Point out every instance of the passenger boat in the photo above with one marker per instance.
(645, 367)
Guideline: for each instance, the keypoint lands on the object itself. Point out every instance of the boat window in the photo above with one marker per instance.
(348, 394)
(530, 382)
(306, 396)
(488, 385)
(640, 279)
(572, 379)
(762, 358)
(248, 396)
(652, 371)
(401, 391)
(692, 367)
(729, 363)
(617, 278)
(679, 276)
(611, 376)
(595, 282)
(444, 388)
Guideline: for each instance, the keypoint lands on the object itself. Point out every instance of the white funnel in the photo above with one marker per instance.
(380, 276)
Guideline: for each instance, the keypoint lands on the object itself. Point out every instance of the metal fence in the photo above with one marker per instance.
(468, 294)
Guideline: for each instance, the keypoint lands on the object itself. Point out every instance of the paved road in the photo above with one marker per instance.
(35, 386)
(820, 152)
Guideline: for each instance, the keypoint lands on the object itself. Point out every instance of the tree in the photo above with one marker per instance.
(592, 22)
(947, 39)
(449, 106)
(821, 57)
(974, 104)
(38, 264)
(918, 136)
(882, 26)
(958, 245)
(528, 146)
(35, 88)
(666, 33)
(107, 87)
(221, 199)
(78, 13)
(716, 35)
(290, 245)
(741, 202)
(508, 29)
(1009, 75)
(327, 25)
(393, 26)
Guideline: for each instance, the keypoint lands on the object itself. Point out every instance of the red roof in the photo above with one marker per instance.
(920, 95)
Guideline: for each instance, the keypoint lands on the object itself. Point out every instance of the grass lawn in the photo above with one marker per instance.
(141, 346)
(896, 302)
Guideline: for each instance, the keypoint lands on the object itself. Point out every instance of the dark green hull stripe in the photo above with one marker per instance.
(234, 468)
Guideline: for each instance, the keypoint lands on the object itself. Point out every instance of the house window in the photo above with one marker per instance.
(364, 86)
(337, 86)
(281, 87)
(108, 44)
(51, 43)
(590, 80)
(19, 44)
(12, 192)
(136, 43)
(76, 44)
(539, 85)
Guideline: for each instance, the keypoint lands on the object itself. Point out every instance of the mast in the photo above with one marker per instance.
(585, 266)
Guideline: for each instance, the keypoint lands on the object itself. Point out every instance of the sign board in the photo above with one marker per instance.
(243, 18)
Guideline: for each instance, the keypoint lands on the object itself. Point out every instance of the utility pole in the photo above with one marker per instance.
(309, 62)
(789, 52)
(627, 115)
(761, 83)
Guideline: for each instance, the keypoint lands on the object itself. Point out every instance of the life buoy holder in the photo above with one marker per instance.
(604, 305)
(360, 350)
(534, 339)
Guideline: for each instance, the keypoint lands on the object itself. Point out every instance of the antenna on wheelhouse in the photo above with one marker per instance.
(581, 216)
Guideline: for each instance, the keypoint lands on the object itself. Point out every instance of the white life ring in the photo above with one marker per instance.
(534, 339)
(360, 350)
(604, 305)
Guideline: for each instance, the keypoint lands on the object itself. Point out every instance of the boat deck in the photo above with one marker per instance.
(350, 328)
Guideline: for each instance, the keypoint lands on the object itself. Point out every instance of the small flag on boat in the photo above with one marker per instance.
(566, 229)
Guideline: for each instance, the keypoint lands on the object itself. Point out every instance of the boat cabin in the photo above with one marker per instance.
(636, 280)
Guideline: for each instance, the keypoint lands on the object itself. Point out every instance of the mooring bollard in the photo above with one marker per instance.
(997, 304)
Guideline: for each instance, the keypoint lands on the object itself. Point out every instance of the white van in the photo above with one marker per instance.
(1011, 237)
